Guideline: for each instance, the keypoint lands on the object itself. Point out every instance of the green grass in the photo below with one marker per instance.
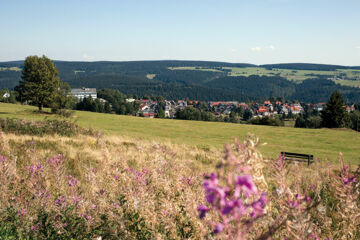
(150, 76)
(323, 143)
(16, 69)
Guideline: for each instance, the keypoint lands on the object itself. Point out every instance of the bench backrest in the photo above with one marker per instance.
(298, 157)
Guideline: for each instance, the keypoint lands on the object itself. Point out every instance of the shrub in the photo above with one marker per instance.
(41, 128)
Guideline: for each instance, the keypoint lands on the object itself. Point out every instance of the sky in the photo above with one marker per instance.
(241, 31)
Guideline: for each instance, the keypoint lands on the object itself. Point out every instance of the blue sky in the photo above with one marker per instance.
(252, 31)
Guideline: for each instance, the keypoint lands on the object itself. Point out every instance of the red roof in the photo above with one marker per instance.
(263, 109)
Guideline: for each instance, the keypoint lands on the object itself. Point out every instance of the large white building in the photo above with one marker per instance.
(81, 93)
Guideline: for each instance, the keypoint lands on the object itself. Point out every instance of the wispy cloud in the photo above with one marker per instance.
(88, 57)
(233, 50)
(271, 47)
(256, 49)
(358, 47)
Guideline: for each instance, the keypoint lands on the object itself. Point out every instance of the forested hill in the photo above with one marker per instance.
(309, 66)
(200, 80)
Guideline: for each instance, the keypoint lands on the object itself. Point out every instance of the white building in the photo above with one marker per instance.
(81, 93)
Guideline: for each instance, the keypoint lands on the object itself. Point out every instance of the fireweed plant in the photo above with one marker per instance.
(246, 207)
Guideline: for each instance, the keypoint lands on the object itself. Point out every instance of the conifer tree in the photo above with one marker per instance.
(334, 111)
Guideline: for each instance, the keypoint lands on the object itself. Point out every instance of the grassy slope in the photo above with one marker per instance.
(293, 75)
(323, 143)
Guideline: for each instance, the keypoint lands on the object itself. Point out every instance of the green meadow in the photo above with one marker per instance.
(345, 77)
(324, 144)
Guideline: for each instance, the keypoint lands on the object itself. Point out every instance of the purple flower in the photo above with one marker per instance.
(2, 158)
(35, 169)
(259, 206)
(73, 181)
(211, 182)
(245, 184)
(76, 199)
(57, 160)
(21, 212)
(203, 210)
(60, 201)
(218, 229)
(347, 180)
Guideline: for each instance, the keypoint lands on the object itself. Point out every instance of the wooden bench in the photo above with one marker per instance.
(298, 157)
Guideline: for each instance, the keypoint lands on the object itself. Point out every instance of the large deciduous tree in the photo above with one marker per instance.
(40, 82)
(334, 112)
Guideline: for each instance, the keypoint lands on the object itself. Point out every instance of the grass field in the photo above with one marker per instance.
(351, 77)
(323, 143)
(16, 69)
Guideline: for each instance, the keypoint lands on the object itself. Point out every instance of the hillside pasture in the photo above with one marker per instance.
(345, 77)
(324, 144)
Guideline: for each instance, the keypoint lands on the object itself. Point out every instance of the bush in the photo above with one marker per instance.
(41, 128)
(63, 112)
(270, 121)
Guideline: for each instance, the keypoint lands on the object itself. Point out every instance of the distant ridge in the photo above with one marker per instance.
(202, 80)
(182, 63)
(309, 66)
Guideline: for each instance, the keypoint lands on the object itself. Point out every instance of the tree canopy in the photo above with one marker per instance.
(334, 111)
(40, 81)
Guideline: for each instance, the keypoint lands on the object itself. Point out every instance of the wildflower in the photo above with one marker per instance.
(203, 210)
(2, 158)
(259, 206)
(36, 227)
(349, 179)
(73, 181)
(218, 229)
(35, 169)
(76, 199)
(57, 160)
(60, 201)
(245, 184)
(22, 212)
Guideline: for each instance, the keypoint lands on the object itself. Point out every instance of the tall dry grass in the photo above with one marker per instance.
(87, 187)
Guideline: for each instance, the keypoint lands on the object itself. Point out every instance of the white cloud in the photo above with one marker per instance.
(358, 47)
(256, 49)
(87, 57)
(233, 50)
(271, 47)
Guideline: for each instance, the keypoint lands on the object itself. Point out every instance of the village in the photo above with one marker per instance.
(150, 107)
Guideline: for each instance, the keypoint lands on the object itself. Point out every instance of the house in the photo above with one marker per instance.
(149, 114)
(6, 95)
(130, 100)
(319, 107)
(81, 93)
(263, 110)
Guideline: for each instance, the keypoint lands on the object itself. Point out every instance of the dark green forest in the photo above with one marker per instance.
(131, 79)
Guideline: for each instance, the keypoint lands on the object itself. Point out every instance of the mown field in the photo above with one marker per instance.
(345, 77)
(325, 144)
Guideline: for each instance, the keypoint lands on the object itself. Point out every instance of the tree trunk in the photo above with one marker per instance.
(40, 107)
